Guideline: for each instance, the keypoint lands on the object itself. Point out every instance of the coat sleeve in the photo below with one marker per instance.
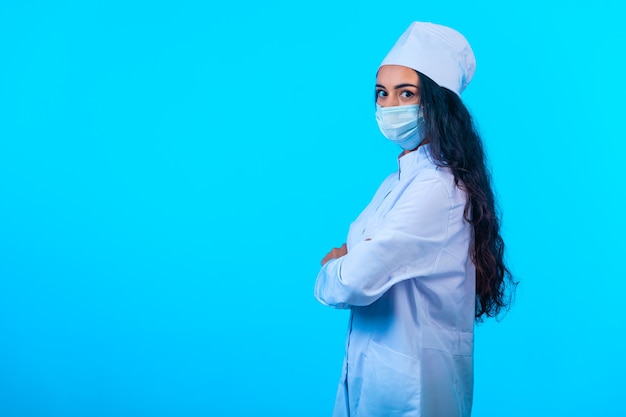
(407, 245)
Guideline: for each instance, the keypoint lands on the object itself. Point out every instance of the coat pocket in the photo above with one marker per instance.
(391, 383)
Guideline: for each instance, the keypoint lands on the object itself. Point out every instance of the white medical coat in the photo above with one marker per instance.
(410, 284)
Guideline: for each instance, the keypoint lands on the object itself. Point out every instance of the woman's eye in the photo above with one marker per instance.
(407, 94)
(381, 93)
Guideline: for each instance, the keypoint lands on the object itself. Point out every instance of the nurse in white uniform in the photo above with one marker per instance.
(424, 260)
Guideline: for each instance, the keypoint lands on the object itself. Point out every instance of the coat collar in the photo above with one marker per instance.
(413, 161)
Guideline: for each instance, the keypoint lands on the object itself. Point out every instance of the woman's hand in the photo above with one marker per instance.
(335, 253)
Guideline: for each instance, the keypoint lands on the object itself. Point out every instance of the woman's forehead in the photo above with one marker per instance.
(396, 74)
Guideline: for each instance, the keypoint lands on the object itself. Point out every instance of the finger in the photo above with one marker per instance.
(330, 255)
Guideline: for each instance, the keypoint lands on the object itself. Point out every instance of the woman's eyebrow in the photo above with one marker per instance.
(405, 85)
(398, 86)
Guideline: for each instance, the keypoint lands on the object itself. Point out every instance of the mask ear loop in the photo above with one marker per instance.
(424, 124)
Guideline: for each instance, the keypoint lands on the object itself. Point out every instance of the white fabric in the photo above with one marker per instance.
(410, 284)
(439, 52)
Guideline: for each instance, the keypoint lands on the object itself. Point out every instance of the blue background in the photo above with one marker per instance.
(171, 174)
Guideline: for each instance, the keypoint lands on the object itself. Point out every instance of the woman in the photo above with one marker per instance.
(424, 260)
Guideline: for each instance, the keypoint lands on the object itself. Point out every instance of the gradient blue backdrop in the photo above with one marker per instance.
(171, 174)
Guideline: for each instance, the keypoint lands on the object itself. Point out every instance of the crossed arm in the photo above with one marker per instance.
(406, 245)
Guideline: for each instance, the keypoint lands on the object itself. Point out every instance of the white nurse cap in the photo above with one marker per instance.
(439, 52)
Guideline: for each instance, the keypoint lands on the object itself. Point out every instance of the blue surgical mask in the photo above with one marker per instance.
(403, 125)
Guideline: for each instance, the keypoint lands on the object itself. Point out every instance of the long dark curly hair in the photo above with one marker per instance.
(456, 144)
